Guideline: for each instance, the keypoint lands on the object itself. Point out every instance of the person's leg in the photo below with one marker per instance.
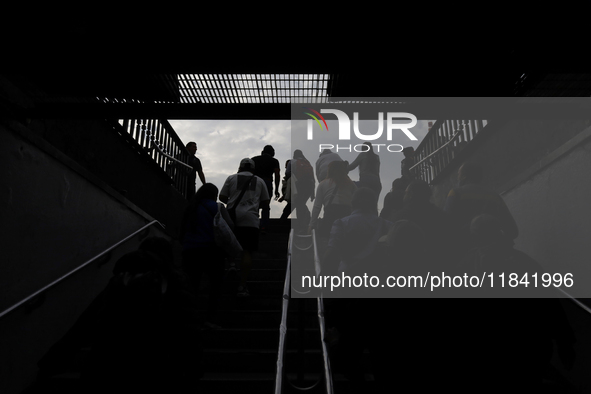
(191, 188)
(245, 267)
(295, 207)
(249, 239)
(286, 211)
(215, 272)
(302, 211)
(192, 268)
(266, 207)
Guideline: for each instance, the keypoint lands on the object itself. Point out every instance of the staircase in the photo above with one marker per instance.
(242, 355)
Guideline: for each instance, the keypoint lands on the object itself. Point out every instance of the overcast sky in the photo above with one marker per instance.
(221, 144)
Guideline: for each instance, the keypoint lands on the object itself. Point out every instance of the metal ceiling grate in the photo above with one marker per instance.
(254, 88)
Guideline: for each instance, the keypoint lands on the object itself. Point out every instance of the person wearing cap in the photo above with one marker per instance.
(247, 212)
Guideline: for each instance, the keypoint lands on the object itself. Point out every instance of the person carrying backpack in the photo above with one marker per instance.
(243, 193)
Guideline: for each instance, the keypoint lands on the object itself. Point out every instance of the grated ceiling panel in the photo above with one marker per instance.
(253, 88)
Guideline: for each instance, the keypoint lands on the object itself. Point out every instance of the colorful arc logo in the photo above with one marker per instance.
(315, 118)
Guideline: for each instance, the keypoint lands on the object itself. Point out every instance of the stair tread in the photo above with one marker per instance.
(213, 376)
(257, 351)
(259, 329)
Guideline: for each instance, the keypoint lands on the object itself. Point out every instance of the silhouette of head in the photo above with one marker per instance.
(408, 151)
(268, 149)
(369, 145)
(470, 172)
(208, 191)
(399, 184)
(417, 191)
(297, 154)
(192, 147)
(365, 200)
(337, 169)
(246, 164)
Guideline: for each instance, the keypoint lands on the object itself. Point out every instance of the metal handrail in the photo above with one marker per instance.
(283, 324)
(306, 248)
(437, 150)
(577, 302)
(320, 303)
(163, 153)
(157, 139)
(60, 279)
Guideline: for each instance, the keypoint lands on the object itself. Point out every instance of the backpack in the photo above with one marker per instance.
(303, 170)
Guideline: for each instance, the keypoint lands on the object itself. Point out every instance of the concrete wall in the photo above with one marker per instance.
(54, 216)
(551, 201)
(506, 149)
(69, 189)
(109, 153)
(542, 171)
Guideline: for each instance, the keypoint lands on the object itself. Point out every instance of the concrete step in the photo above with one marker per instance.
(236, 383)
(264, 295)
(229, 302)
(268, 262)
(262, 338)
(254, 360)
(273, 251)
(271, 288)
(229, 383)
(228, 318)
(242, 356)
(260, 383)
(265, 383)
(268, 274)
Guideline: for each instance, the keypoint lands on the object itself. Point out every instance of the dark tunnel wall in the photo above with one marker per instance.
(55, 216)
